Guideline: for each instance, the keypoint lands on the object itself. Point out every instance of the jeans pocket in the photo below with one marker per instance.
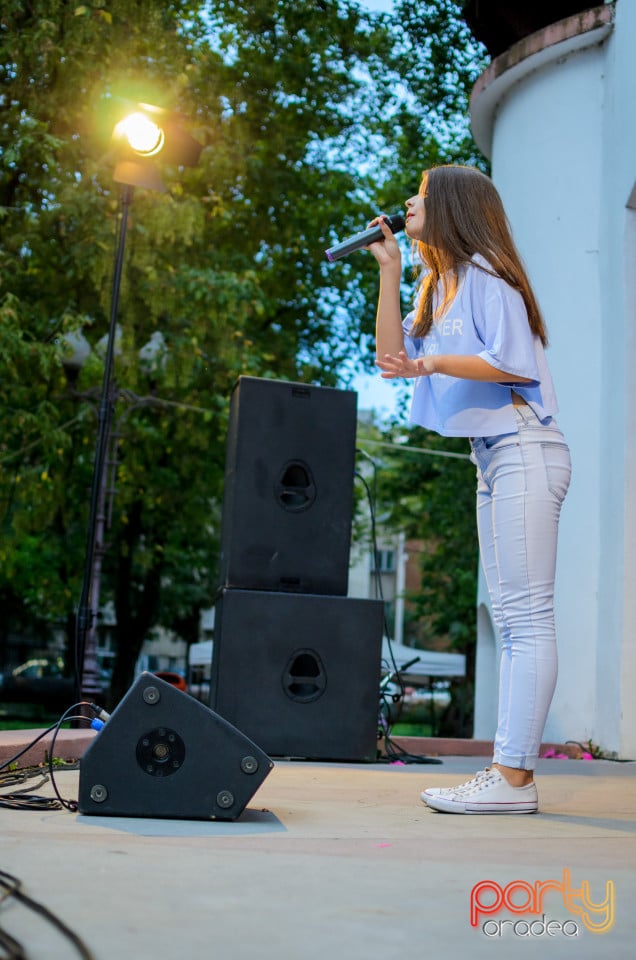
(558, 468)
(501, 440)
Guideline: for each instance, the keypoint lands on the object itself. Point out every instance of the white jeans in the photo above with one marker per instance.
(522, 480)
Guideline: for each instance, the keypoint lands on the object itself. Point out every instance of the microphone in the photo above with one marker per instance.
(360, 240)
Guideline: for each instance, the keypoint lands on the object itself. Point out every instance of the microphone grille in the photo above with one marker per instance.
(396, 222)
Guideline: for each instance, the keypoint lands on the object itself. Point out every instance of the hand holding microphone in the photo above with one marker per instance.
(360, 240)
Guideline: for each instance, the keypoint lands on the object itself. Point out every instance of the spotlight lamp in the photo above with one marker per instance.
(146, 135)
(141, 133)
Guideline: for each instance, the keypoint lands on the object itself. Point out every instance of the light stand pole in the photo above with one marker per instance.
(86, 665)
(140, 136)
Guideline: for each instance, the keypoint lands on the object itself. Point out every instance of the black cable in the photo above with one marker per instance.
(19, 799)
(12, 948)
(394, 752)
(12, 887)
(22, 799)
(378, 578)
(17, 756)
(28, 802)
(70, 805)
(376, 571)
(82, 703)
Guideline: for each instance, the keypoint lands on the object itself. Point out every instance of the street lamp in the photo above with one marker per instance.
(143, 135)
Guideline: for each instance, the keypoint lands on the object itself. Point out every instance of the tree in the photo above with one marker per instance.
(304, 130)
(425, 486)
(228, 264)
(432, 66)
(432, 497)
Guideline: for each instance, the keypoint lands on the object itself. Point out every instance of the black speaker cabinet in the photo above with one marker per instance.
(299, 672)
(289, 475)
(163, 754)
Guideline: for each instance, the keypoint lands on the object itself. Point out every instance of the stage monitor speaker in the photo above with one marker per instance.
(289, 475)
(164, 754)
(302, 673)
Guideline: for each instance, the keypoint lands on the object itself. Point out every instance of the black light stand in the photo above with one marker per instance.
(86, 666)
(135, 167)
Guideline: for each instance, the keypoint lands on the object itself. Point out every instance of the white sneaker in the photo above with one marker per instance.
(489, 792)
(443, 791)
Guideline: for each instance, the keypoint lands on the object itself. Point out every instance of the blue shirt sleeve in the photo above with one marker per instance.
(501, 322)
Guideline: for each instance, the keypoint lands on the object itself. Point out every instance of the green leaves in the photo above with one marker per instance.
(432, 497)
(311, 116)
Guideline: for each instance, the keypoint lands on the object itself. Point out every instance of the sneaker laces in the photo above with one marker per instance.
(476, 781)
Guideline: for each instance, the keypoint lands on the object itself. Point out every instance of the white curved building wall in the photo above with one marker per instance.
(560, 129)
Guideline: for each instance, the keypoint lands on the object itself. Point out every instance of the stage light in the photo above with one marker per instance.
(145, 136)
(141, 133)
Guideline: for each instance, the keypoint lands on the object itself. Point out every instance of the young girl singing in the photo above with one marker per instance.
(475, 344)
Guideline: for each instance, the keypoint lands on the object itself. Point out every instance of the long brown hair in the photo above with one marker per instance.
(464, 216)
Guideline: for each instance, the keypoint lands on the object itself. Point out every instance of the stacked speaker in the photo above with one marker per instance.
(296, 663)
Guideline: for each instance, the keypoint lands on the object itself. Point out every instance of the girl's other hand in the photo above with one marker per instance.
(403, 366)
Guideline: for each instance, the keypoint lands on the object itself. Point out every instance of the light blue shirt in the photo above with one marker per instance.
(488, 319)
